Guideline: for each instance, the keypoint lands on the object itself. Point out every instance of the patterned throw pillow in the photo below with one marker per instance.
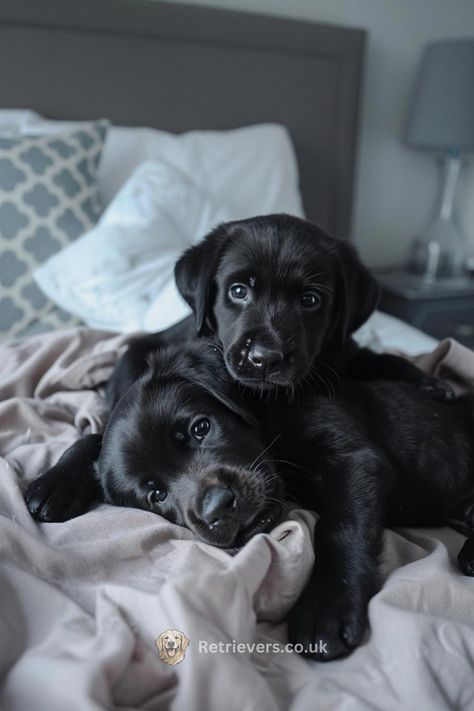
(48, 197)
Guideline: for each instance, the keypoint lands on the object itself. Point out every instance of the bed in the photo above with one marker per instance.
(82, 603)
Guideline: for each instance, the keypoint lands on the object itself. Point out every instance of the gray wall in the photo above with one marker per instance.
(396, 188)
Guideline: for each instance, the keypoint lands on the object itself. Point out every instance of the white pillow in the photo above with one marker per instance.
(251, 170)
(382, 332)
(13, 122)
(119, 275)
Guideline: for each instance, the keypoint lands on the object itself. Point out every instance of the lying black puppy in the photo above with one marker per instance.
(181, 441)
(282, 298)
(184, 442)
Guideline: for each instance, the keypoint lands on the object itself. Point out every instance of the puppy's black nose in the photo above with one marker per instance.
(265, 358)
(217, 504)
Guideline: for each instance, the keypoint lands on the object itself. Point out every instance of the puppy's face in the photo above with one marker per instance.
(276, 291)
(273, 306)
(185, 451)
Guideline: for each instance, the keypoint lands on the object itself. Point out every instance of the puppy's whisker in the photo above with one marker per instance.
(268, 480)
(250, 466)
(272, 500)
(326, 365)
(311, 383)
(327, 377)
(294, 465)
(327, 384)
(313, 386)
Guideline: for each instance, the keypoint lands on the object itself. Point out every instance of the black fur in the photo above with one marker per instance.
(377, 454)
(271, 340)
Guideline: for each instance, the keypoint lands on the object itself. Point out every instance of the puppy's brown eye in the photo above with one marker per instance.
(238, 292)
(157, 496)
(311, 300)
(200, 428)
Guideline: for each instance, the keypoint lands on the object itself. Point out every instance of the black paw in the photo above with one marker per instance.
(70, 487)
(54, 497)
(466, 557)
(438, 389)
(327, 624)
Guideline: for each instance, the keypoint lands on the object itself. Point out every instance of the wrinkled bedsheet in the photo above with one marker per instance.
(82, 602)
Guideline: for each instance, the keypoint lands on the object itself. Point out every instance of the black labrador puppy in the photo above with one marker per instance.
(282, 299)
(184, 441)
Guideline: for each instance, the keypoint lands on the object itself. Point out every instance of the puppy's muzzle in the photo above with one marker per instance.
(259, 357)
(225, 507)
(266, 360)
(219, 507)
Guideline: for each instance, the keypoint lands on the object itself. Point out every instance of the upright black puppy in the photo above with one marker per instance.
(282, 298)
(184, 441)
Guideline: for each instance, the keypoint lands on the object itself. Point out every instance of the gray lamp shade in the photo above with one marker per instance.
(441, 115)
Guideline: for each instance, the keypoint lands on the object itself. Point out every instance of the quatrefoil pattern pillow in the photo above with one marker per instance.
(48, 197)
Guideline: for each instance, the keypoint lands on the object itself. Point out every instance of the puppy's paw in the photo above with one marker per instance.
(326, 623)
(438, 389)
(55, 496)
(466, 557)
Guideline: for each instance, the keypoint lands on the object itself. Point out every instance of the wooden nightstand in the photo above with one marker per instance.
(443, 308)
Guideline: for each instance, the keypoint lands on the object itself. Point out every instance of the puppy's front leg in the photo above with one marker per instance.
(330, 616)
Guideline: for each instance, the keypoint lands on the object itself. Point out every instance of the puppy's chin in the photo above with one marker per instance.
(221, 537)
(262, 523)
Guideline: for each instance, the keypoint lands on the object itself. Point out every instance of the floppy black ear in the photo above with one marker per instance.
(194, 274)
(209, 371)
(231, 398)
(201, 363)
(359, 293)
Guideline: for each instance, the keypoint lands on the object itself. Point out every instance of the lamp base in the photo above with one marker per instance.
(440, 252)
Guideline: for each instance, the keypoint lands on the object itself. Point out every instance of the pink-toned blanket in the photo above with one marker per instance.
(82, 602)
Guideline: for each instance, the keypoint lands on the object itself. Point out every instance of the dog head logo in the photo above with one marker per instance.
(172, 646)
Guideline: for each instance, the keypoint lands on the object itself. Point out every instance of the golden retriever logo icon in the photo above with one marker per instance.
(172, 646)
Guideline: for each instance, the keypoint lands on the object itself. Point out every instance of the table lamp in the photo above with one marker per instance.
(441, 120)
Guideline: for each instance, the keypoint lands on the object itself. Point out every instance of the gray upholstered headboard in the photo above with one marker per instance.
(177, 67)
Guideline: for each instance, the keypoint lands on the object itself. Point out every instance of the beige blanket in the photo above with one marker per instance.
(452, 361)
(82, 602)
